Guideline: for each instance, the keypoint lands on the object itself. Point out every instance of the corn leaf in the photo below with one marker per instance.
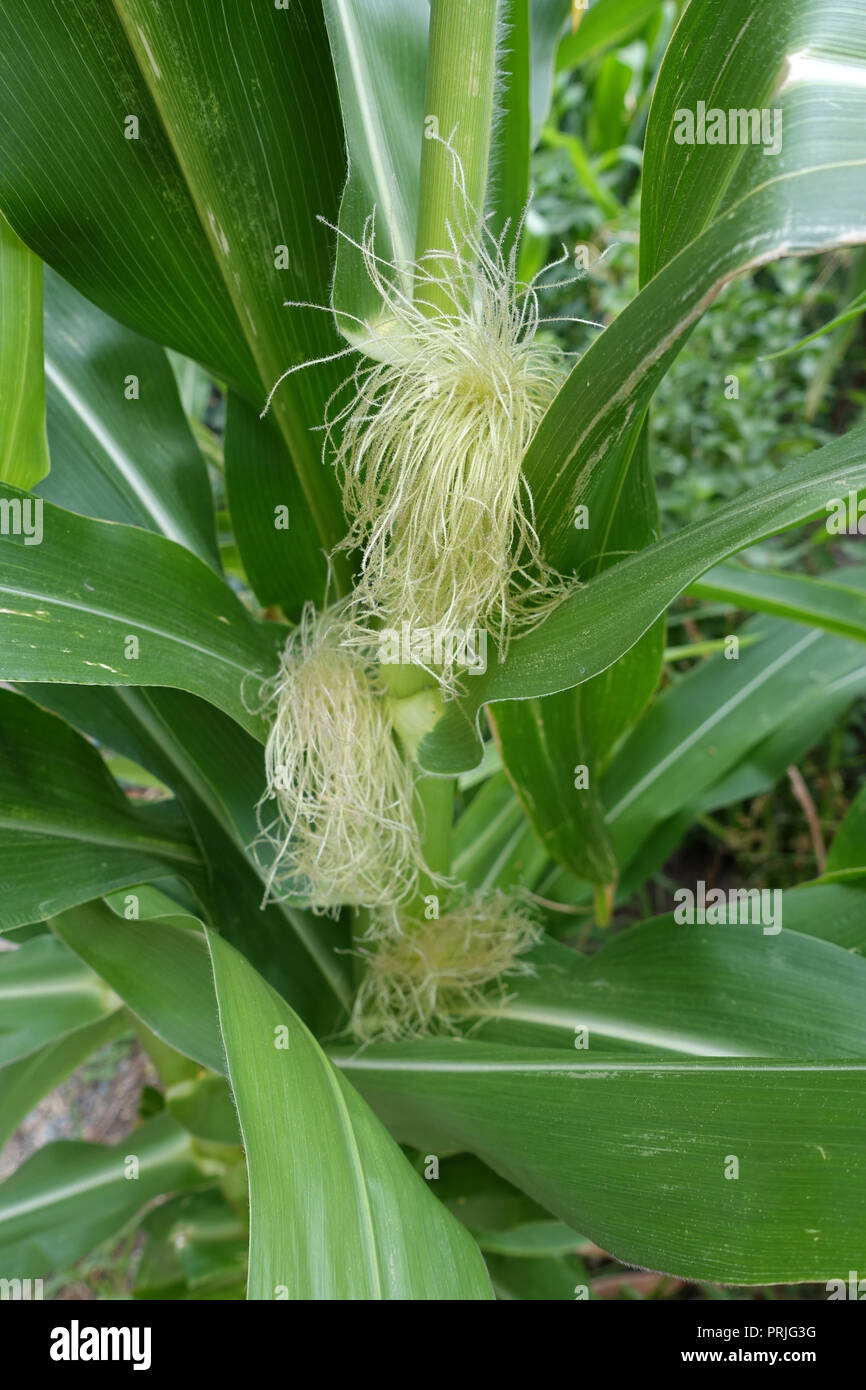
(828, 603)
(335, 1209)
(170, 163)
(635, 1152)
(603, 620)
(125, 607)
(158, 966)
(70, 1196)
(68, 830)
(380, 58)
(24, 1083)
(46, 995)
(23, 443)
(121, 446)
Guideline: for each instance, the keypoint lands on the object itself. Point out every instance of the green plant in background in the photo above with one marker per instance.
(406, 712)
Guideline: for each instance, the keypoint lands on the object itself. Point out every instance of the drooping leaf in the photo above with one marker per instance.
(216, 771)
(68, 831)
(158, 967)
(96, 603)
(335, 1209)
(635, 1153)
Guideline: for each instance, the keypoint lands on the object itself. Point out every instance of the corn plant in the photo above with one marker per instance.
(385, 662)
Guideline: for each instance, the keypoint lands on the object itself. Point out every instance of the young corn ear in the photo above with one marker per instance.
(336, 820)
(429, 449)
(438, 976)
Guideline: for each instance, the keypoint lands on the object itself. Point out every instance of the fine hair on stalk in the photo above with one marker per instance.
(336, 821)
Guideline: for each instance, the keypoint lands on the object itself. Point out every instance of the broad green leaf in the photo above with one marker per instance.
(46, 993)
(624, 498)
(217, 771)
(110, 212)
(604, 619)
(831, 911)
(824, 603)
(380, 57)
(575, 730)
(611, 385)
(336, 1210)
(258, 175)
(24, 1083)
(809, 200)
(805, 58)
(634, 1153)
(806, 725)
(158, 967)
(701, 225)
(71, 1196)
(752, 768)
(96, 603)
(724, 990)
(121, 446)
(68, 830)
(169, 163)
(23, 444)
(192, 748)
